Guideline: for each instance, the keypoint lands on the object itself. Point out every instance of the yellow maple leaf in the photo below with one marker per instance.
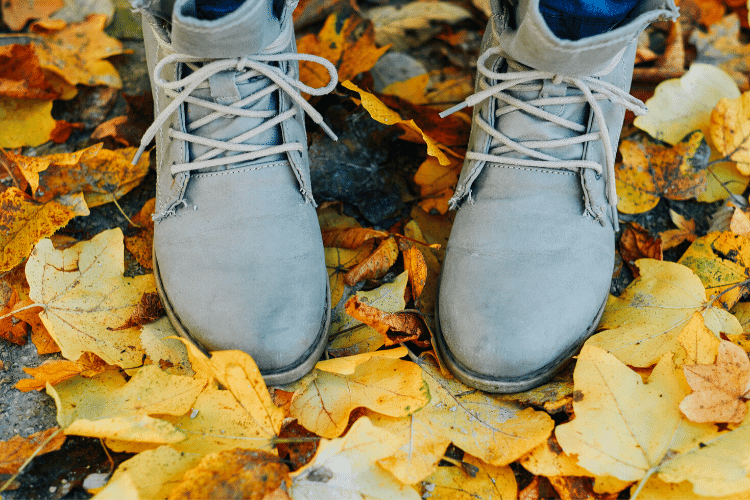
(23, 222)
(84, 295)
(347, 467)
(699, 344)
(25, 122)
(646, 320)
(487, 481)
(383, 114)
(77, 52)
(548, 459)
(495, 430)
(730, 130)
(650, 171)
(326, 397)
(612, 435)
(169, 353)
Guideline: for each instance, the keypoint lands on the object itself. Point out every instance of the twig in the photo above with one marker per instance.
(12, 313)
(643, 482)
(737, 199)
(123, 212)
(8, 170)
(111, 462)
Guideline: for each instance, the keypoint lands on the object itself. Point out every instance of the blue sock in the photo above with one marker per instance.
(210, 10)
(576, 19)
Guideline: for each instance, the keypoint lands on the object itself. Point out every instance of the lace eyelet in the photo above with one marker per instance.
(598, 176)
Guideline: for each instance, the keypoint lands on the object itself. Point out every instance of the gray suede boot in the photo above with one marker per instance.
(238, 255)
(530, 257)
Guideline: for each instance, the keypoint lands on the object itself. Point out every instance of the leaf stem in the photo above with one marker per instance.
(735, 198)
(7, 483)
(714, 299)
(643, 482)
(301, 439)
(123, 212)
(13, 313)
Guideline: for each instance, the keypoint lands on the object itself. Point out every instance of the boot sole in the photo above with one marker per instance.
(507, 385)
(293, 372)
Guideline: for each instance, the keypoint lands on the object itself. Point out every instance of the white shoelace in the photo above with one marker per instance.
(593, 90)
(246, 67)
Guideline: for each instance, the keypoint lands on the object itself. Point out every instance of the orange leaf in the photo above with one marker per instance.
(54, 372)
(636, 243)
(16, 13)
(15, 451)
(685, 231)
(141, 243)
(383, 322)
(23, 81)
(11, 329)
(376, 265)
(23, 222)
(148, 310)
(76, 52)
(350, 238)
(719, 389)
(31, 166)
(415, 264)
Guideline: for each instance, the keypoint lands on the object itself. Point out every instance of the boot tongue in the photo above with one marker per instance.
(248, 30)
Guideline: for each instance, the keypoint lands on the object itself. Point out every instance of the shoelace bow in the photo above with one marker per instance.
(247, 67)
(592, 91)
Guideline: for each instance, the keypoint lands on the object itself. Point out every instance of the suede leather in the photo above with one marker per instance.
(528, 263)
(238, 254)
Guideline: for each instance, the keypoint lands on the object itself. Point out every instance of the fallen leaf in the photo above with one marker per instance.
(699, 344)
(415, 265)
(349, 44)
(403, 327)
(656, 489)
(31, 166)
(238, 473)
(77, 52)
(25, 122)
(389, 386)
(102, 178)
(350, 336)
(339, 261)
(488, 483)
(673, 237)
(740, 223)
(548, 459)
(719, 389)
(140, 244)
(721, 261)
(645, 321)
(636, 243)
(17, 449)
(54, 372)
(297, 453)
(681, 105)
(376, 265)
(83, 292)
(650, 170)
(16, 13)
(437, 183)
(347, 467)
(148, 310)
(724, 178)
(23, 81)
(426, 298)
(383, 114)
(13, 329)
(150, 475)
(554, 396)
(164, 350)
(494, 430)
(730, 130)
(24, 222)
(351, 238)
(721, 47)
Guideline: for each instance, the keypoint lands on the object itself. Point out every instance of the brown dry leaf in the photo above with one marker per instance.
(15, 451)
(383, 114)
(23, 222)
(720, 389)
(339, 261)
(730, 130)
(298, 453)
(415, 265)
(722, 262)
(54, 372)
(645, 321)
(376, 264)
(129, 128)
(31, 166)
(102, 178)
(140, 244)
(426, 298)
(346, 467)
(76, 52)
(685, 231)
(148, 310)
(83, 292)
(351, 238)
(16, 13)
(25, 122)
(495, 430)
(722, 47)
(575, 488)
(23, 81)
(487, 483)
(637, 243)
(437, 183)
(403, 327)
(651, 170)
(327, 396)
(238, 473)
(349, 45)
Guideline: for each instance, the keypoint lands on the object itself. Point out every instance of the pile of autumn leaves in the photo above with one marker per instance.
(657, 402)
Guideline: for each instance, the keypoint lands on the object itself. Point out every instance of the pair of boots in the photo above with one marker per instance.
(238, 256)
